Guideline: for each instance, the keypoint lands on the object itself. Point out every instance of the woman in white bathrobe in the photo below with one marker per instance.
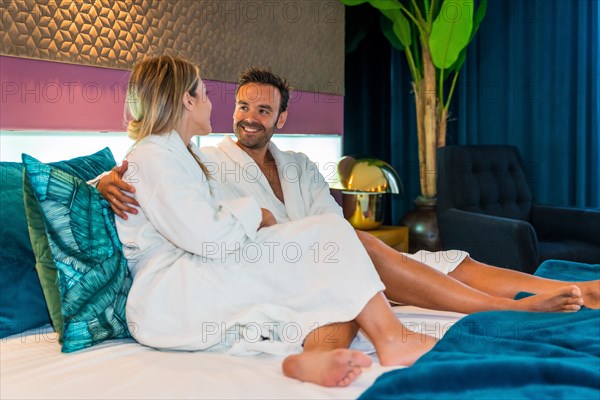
(221, 275)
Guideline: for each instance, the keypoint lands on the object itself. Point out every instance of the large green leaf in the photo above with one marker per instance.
(391, 14)
(451, 32)
(387, 28)
(459, 61)
(479, 15)
(385, 4)
(401, 27)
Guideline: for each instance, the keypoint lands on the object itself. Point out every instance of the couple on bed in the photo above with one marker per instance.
(241, 248)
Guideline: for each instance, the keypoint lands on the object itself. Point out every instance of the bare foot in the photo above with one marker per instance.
(565, 299)
(591, 293)
(339, 367)
(405, 348)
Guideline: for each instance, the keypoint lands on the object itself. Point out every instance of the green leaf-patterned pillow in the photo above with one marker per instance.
(86, 168)
(93, 278)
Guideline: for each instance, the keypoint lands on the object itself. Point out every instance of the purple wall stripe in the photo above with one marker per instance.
(44, 95)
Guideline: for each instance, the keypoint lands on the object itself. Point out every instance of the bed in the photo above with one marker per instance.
(33, 367)
(478, 358)
(484, 355)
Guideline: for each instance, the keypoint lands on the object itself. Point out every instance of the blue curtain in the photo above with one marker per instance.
(532, 79)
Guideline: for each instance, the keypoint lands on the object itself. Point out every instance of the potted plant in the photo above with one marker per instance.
(434, 36)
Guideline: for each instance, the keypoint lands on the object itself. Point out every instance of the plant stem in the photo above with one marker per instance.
(420, 110)
(447, 105)
(411, 64)
(430, 122)
(416, 72)
(422, 29)
(441, 87)
(417, 10)
(441, 139)
(430, 14)
(416, 54)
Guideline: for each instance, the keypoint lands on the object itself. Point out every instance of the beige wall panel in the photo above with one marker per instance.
(302, 40)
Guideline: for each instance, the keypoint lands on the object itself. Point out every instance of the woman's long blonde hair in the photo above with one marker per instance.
(155, 92)
(154, 96)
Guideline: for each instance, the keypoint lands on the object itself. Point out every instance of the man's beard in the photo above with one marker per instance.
(254, 143)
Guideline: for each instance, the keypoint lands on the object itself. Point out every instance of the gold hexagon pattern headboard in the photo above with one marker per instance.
(302, 40)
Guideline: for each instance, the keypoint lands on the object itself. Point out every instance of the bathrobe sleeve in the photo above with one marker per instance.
(94, 182)
(175, 196)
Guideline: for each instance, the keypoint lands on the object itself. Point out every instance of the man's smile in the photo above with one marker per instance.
(251, 128)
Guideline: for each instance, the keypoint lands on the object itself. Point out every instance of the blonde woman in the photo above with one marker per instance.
(222, 275)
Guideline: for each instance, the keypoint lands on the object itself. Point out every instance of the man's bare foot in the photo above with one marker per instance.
(591, 293)
(405, 348)
(565, 299)
(339, 367)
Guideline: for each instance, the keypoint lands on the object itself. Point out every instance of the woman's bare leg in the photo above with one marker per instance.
(395, 344)
(330, 363)
(486, 278)
(326, 359)
(411, 282)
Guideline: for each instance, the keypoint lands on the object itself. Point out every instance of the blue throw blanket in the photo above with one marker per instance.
(508, 355)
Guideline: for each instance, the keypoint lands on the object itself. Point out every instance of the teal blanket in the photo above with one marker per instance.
(508, 355)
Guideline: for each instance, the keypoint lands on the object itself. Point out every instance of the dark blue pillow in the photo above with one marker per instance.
(22, 304)
(93, 278)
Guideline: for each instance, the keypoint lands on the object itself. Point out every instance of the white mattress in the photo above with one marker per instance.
(32, 367)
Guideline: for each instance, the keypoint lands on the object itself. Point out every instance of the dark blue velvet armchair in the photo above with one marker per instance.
(485, 207)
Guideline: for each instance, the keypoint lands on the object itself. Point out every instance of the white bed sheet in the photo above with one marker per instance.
(32, 367)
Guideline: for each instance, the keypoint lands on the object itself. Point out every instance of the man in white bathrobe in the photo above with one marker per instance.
(291, 187)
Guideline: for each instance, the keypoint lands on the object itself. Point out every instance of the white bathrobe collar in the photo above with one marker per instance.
(174, 143)
(230, 148)
(287, 168)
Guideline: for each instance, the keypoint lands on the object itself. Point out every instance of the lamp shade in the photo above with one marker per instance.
(364, 182)
(364, 174)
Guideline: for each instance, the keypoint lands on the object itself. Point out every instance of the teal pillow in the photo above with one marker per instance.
(86, 168)
(22, 304)
(93, 278)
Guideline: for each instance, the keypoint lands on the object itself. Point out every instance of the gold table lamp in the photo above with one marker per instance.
(364, 183)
